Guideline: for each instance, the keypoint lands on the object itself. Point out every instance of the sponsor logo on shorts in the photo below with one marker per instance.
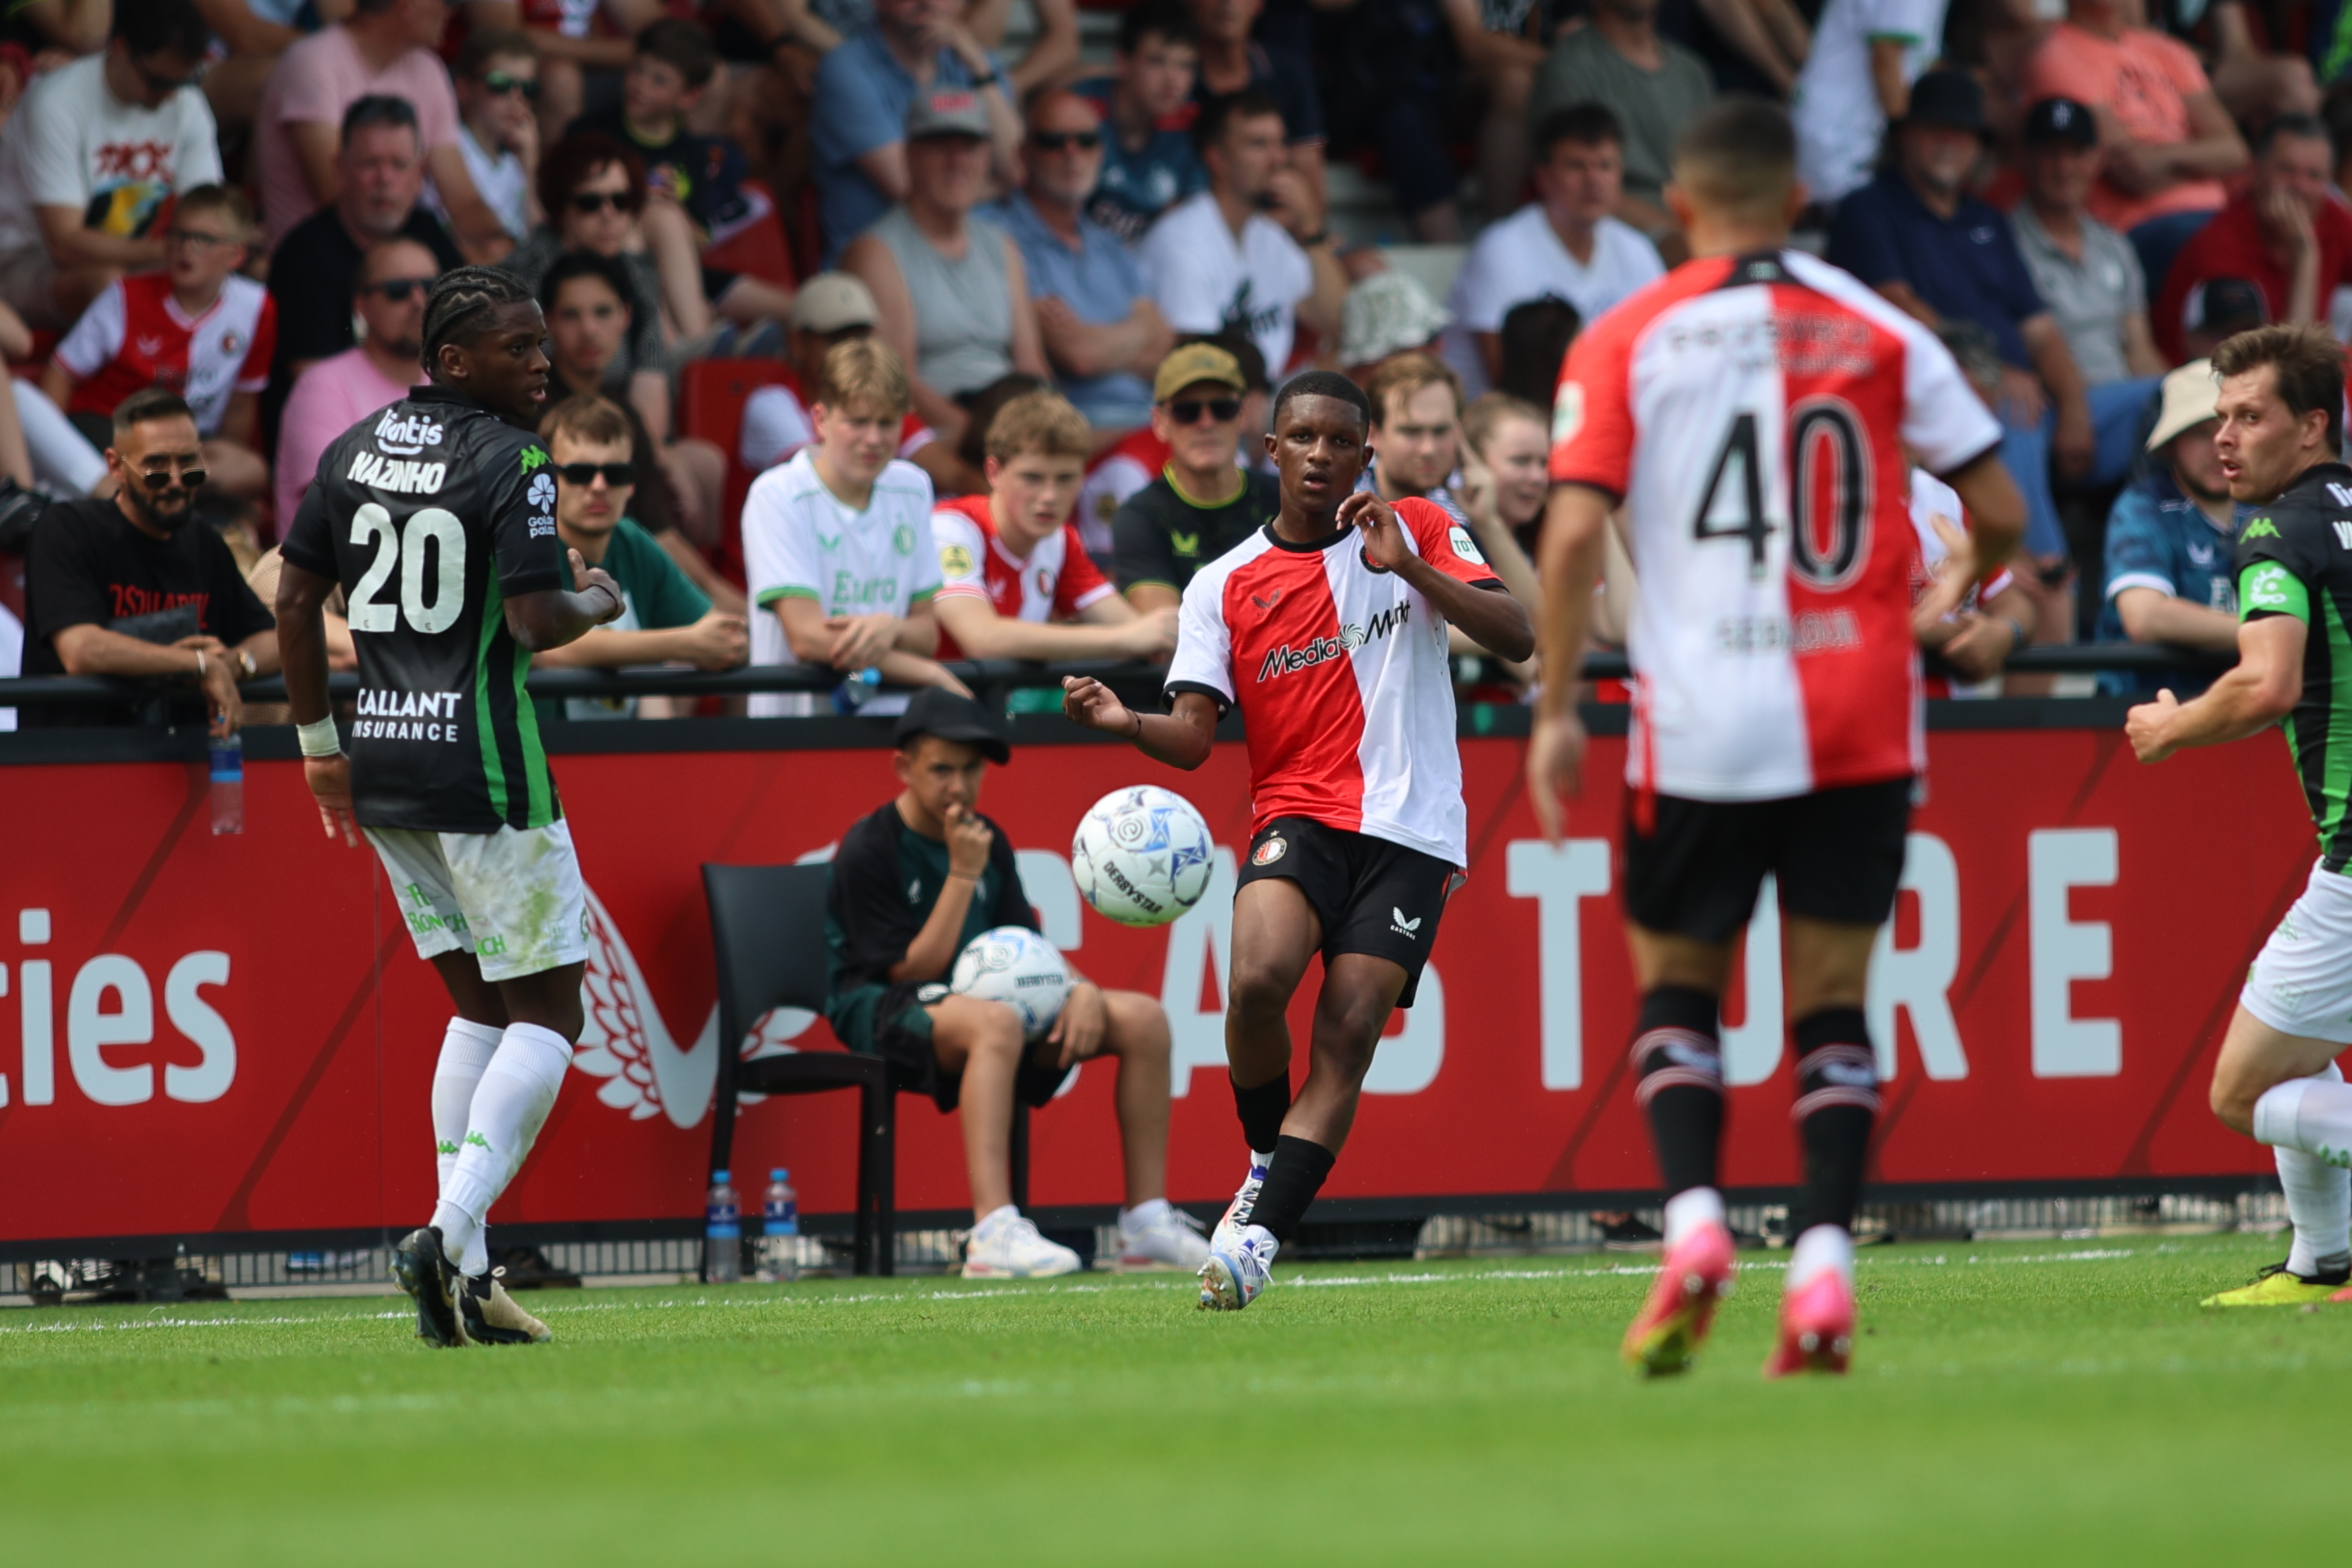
(2288, 995)
(1267, 853)
(1406, 927)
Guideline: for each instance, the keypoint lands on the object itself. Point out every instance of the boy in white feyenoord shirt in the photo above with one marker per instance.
(837, 543)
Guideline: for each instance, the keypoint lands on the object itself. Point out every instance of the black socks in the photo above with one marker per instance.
(1837, 1104)
(1291, 1183)
(1676, 1054)
(1262, 1109)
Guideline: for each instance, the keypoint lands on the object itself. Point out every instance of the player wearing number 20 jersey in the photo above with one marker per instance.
(1772, 652)
(431, 514)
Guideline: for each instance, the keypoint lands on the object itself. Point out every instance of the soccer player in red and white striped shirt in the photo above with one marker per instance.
(1012, 572)
(1751, 409)
(1326, 631)
(196, 328)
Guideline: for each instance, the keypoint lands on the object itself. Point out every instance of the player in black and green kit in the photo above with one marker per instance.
(2281, 408)
(436, 516)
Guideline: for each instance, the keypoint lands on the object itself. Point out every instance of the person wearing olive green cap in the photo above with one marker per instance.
(1202, 504)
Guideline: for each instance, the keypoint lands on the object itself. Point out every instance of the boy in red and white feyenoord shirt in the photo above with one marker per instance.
(1326, 630)
(1750, 409)
(1009, 561)
(195, 328)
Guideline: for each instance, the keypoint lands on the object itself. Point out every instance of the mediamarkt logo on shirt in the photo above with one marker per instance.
(407, 716)
(1286, 659)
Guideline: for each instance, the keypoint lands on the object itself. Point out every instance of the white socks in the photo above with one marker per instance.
(1148, 1212)
(516, 1090)
(1821, 1247)
(2307, 1122)
(465, 1050)
(1689, 1209)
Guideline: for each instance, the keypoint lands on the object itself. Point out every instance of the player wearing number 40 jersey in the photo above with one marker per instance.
(437, 519)
(1751, 410)
(1326, 630)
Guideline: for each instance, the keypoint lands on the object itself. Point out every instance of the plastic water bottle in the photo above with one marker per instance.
(780, 1230)
(856, 688)
(227, 761)
(722, 1233)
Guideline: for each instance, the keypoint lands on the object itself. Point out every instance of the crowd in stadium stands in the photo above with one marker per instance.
(886, 332)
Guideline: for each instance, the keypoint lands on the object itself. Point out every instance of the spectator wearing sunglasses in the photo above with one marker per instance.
(75, 215)
(316, 269)
(383, 49)
(126, 586)
(594, 192)
(679, 483)
(498, 130)
(664, 618)
(1103, 335)
(1202, 504)
(195, 327)
(342, 390)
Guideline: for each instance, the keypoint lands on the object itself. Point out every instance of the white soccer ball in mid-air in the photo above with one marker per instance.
(1142, 856)
(1014, 965)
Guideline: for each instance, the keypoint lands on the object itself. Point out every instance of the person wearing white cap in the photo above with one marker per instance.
(831, 308)
(1386, 314)
(2171, 556)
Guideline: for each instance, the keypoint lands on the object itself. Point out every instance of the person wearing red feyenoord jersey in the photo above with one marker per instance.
(1326, 630)
(436, 517)
(1751, 410)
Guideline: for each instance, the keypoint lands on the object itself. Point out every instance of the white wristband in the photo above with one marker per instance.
(319, 739)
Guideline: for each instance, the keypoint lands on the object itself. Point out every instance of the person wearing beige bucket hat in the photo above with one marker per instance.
(2171, 569)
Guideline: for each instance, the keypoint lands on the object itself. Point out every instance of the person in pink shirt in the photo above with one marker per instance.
(385, 48)
(338, 391)
(2169, 142)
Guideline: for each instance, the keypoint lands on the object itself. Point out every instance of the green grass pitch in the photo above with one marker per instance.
(2055, 1402)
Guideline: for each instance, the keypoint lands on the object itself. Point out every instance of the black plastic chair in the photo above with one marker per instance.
(766, 927)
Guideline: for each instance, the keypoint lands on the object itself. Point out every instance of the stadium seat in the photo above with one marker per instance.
(761, 248)
(711, 393)
(767, 928)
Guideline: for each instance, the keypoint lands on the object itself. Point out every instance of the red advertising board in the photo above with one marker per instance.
(205, 1034)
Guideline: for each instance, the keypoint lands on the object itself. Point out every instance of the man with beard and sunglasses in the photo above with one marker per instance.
(338, 391)
(437, 521)
(127, 587)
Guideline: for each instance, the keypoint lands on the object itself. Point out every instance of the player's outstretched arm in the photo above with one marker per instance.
(554, 616)
(1496, 622)
(1181, 739)
(302, 646)
(1568, 558)
(2249, 697)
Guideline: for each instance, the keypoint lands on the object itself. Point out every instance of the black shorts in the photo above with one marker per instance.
(1836, 853)
(896, 1026)
(1372, 896)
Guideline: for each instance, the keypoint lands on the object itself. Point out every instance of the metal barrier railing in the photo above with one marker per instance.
(996, 675)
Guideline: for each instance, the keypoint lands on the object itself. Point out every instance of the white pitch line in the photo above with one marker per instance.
(1004, 1292)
